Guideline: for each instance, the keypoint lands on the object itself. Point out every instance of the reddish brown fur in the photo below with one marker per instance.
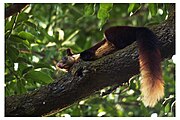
(118, 37)
(152, 85)
(104, 49)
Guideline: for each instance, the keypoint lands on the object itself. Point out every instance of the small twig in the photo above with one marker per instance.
(32, 52)
(109, 90)
(13, 73)
(173, 106)
(14, 23)
(124, 90)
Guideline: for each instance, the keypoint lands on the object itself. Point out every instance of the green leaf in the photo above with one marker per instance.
(103, 13)
(9, 24)
(89, 9)
(16, 38)
(27, 69)
(38, 76)
(41, 65)
(24, 68)
(72, 35)
(44, 33)
(22, 17)
(27, 36)
(68, 42)
(87, 44)
(19, 40)
(12, 52)
(20, 86)
(30, 24)
(76, 48)
(131, 7)
(132, 85)
(167, 108)
(104, 10)
(106, 6)
(153, 8)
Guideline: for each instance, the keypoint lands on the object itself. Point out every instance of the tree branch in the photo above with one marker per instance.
(14, 8)
(85, 78)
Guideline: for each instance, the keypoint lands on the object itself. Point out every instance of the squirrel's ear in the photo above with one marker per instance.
(69, 52)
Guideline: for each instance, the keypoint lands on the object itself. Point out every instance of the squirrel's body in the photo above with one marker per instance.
(118, 37)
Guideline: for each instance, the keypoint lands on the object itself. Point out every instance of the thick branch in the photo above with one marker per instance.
(14, 8)
(86, 78)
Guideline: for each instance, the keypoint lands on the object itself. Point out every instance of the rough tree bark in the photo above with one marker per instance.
(85, 78)
(14, 8)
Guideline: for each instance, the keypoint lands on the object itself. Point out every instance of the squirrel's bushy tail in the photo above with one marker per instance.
(152, 84)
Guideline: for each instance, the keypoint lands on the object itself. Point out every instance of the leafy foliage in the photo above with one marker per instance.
(103, 12)
(37, 38)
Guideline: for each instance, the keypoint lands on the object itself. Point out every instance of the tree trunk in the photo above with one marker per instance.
(85, 78)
